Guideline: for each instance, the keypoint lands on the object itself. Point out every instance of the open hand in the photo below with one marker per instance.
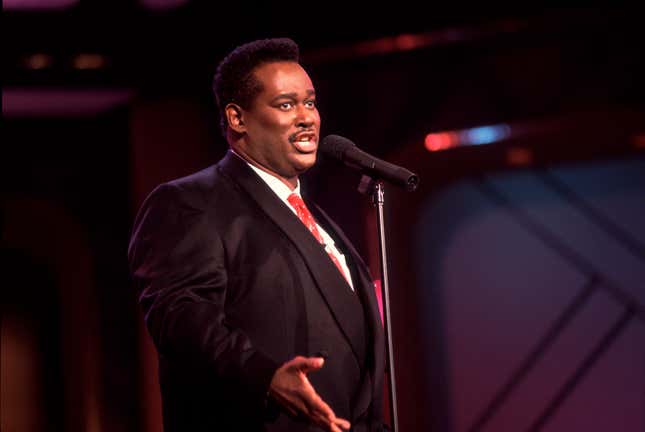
(291, 388)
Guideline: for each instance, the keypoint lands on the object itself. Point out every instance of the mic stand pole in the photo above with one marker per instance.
(375, 188)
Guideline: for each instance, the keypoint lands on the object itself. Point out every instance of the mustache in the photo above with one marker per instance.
(293, 136)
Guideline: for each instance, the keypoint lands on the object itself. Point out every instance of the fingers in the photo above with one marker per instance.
(342, 423)
(319, 409)
(322, 414)
(336, 425)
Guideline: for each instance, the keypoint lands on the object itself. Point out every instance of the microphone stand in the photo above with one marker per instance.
(369, 185)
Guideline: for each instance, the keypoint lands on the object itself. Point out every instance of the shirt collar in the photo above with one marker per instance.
(277, 186)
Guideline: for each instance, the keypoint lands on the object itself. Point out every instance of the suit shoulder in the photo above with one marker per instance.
(183, 199)
(197, 189)
(200, 180)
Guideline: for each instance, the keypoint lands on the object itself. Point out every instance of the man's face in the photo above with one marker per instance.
(282, 125)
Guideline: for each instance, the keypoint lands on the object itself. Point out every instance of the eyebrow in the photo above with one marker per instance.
(309, 92)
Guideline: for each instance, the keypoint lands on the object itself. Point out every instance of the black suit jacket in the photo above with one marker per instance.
(232, 285)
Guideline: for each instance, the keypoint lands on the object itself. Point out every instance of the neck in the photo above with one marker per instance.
(291, 182)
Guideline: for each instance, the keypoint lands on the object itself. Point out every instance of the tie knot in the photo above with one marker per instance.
(296, 201)
(304, 215)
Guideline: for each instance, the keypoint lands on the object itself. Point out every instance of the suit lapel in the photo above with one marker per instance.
(365, 289)
(323, 271)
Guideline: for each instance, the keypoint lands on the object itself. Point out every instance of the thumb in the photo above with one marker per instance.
(308, 364)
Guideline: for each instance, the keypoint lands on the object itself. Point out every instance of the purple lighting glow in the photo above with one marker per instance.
(49, 102)
(37, 4)
(162, 4)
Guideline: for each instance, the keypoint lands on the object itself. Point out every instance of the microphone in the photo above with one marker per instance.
(344, 150)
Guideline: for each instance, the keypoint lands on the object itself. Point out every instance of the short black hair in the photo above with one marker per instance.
(234, 81)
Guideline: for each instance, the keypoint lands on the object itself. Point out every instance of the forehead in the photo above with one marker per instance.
(283, 77)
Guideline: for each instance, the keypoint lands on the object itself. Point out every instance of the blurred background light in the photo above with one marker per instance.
(467, 137)
(484, 135)
(519, 156)
(38, 61)
(89, 61)
(441, 141)
(639, 141)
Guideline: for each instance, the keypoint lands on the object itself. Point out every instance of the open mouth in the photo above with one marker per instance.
(304, 142)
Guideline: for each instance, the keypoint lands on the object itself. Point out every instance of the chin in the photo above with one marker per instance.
(305, 161)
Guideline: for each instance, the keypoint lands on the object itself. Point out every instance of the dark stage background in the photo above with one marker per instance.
(518, 267)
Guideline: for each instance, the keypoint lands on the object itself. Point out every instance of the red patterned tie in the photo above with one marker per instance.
(305, 216)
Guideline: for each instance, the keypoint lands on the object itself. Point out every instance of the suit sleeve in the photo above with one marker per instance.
(179, 268)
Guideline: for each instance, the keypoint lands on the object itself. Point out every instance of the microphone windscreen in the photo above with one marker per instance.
(335, 146)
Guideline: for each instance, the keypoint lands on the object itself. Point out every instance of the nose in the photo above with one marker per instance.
(306, 117)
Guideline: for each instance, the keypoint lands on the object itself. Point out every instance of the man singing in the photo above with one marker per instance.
(261, 310)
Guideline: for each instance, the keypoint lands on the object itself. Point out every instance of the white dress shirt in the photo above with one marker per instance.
(283, 191)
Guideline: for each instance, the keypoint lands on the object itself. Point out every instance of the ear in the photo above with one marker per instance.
(234, 117)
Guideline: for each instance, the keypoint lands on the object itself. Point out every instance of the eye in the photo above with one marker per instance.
(285, 106)
(310, 104)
